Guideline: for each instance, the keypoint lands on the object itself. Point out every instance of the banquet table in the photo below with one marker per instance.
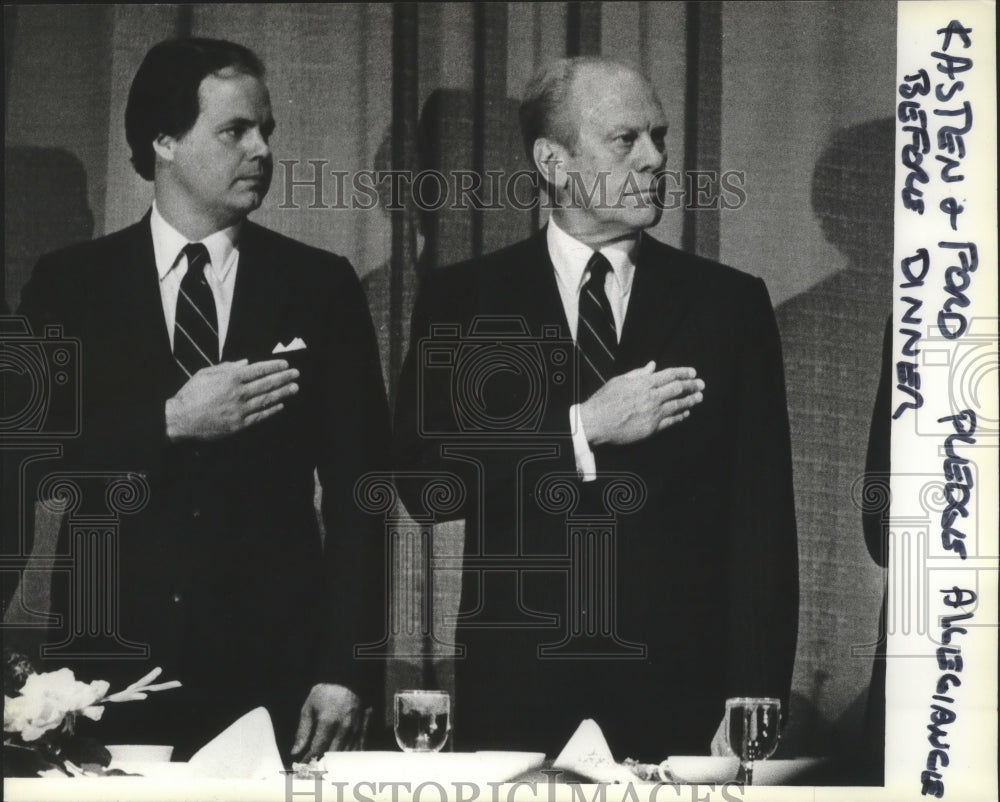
(367, 776)
(243, 763)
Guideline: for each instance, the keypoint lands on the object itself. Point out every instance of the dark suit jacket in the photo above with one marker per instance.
(701, 573)
(223, 573)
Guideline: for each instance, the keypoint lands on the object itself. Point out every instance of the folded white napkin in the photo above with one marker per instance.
(246, 749)
(588, 753)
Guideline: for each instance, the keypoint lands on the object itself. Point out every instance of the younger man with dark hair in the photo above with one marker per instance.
(183, 319)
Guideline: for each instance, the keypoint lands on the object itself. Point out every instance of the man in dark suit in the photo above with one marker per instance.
(183, 320)
(615, 411)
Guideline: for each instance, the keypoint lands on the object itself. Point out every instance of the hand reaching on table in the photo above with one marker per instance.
(332, 720)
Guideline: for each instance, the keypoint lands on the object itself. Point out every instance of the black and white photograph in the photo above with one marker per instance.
(493, 401)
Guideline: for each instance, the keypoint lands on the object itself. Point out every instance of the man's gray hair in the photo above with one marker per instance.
(545, 110)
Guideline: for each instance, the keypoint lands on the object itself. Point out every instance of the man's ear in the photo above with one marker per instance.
(550, 161)
(163, 147)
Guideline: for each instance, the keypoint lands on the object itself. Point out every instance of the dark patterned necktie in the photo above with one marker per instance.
(196, 324)
(596, 334)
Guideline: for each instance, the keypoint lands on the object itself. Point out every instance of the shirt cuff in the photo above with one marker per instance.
(586, 465)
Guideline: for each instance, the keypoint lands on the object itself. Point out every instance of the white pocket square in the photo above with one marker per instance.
(294, 345)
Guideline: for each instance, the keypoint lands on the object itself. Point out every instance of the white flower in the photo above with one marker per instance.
(31, 716)
(94, 712)
(47, 698)
(62, 687)
(15, 713)
(50, 700)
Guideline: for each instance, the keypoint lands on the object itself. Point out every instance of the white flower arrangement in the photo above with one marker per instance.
(41, 716)
(47, 699)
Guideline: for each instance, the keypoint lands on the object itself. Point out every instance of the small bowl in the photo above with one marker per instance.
(140, 753)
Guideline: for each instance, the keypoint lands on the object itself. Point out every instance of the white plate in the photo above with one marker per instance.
(783, 772)
(157, 769)
(141, 753)
(698, 769)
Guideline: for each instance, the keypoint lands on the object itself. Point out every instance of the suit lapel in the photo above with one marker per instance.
(135, 280)
(664, 289)
(655, 309)
(527, 287)
(253, 321)
(521, 286)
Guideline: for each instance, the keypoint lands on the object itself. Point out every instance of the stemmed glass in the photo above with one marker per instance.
(752, 730)
(421, 720)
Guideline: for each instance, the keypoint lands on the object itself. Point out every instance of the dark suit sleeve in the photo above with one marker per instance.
(421, 404)
(763, 559)
(114, 433)
(355, 441)
(89, 417)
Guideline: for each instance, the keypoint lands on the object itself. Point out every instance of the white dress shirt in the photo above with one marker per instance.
(171, 266)
(569, 258)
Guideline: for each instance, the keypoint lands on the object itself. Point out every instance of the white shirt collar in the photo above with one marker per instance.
(168, 243)
(570, 256)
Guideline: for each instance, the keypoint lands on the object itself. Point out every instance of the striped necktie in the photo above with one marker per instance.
(196, 324)
(596, 334)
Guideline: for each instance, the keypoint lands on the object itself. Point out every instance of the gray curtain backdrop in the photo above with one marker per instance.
(793, 95)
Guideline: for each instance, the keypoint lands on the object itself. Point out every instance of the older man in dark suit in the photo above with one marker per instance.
(615, 410)
(224, 363)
